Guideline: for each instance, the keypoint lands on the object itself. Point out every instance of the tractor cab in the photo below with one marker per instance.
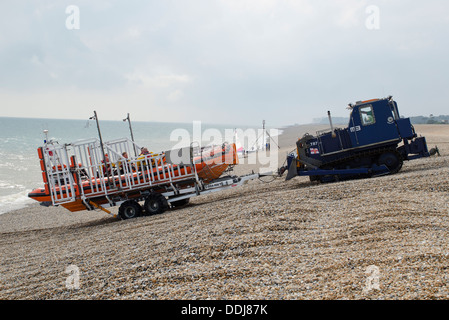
(377, 121)
(372, 122)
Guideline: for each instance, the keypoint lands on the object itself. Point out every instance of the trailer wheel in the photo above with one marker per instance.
(130, 209)
(155, 204)
(392, 160)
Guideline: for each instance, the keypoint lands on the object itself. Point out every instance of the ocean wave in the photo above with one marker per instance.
(14, 202)
(7, 185)
(15, 166)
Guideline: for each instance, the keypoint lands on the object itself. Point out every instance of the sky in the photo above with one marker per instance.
(221, 61)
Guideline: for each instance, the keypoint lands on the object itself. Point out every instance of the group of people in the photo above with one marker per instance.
(114, 168)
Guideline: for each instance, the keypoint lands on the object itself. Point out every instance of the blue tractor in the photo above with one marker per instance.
(375, 142)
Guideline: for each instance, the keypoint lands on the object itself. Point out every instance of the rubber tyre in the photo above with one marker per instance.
(155, 203)
(130, 209)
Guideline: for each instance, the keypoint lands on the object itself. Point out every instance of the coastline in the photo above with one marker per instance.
(265, 240)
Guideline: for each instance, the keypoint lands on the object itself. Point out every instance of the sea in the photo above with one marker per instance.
(20, 137)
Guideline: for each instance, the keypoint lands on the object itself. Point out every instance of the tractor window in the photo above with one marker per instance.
(367, 115)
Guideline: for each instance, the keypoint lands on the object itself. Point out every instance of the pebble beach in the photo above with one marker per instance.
(381, 238)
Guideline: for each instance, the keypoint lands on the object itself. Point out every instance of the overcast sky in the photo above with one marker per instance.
(221, 61)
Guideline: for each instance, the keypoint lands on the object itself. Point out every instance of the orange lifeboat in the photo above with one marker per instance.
(210, 164)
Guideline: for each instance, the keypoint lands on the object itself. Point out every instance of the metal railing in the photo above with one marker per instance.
(82, 170)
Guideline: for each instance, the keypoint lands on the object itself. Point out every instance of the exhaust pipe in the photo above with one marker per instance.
(330, 121)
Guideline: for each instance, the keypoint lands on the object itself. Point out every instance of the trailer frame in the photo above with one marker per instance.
(79, 176)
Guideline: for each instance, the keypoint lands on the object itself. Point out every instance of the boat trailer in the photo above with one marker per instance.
(91, 175)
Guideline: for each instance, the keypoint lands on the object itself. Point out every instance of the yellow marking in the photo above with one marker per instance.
(102, 209)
